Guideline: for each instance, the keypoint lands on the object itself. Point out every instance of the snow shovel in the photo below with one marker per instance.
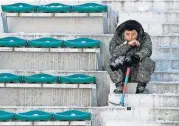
(124, 88)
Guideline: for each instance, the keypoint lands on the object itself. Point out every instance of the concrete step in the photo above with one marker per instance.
(99, 114)
(152, 16)
(159, 29)
(56, 95)
(168, 76)
(165, 88)
(146, 100)
(166, 51)
(132, 5)
(142, 114)
(166, 64)
(135, 123)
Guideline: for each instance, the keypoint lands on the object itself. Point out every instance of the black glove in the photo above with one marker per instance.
(117, 64)
(135, 59)
(115, 67)
(128, 61)
(132, 60)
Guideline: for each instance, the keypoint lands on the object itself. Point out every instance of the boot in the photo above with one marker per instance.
(119, 88)
(141, 89)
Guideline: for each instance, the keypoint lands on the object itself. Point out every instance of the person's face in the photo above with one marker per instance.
(130, 35)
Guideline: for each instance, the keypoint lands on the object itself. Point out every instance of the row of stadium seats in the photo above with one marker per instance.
(49, 43)
(46, 78)
(36, 115)
(54, 8)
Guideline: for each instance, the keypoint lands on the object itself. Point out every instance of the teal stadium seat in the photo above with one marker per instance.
(6, 116)
(45, 43)
(89, 8)
(18, 8)
(34, 115)
(12, 42)
(72, 115)
(40, 78)
(54, 8)
(82, 43)
(9, 78)
(77, 79)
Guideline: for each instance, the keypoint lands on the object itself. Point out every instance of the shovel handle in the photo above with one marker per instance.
(125, 86)
(126, 80)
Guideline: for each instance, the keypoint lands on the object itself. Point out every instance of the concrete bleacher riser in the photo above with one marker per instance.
(166, 52)
(57, 96)
(46, 96)
(48, 60)
(163, 87)
(165, 76)
(166, 64)
(72, 26)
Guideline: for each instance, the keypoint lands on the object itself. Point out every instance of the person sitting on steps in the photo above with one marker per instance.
(131, 47)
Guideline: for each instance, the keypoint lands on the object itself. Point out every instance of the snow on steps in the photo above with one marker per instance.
(140, 123)
(146, 100)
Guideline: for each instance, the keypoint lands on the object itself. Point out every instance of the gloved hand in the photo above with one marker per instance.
(131, 60)
(135, 59)
(115, 67)
(117, 63)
